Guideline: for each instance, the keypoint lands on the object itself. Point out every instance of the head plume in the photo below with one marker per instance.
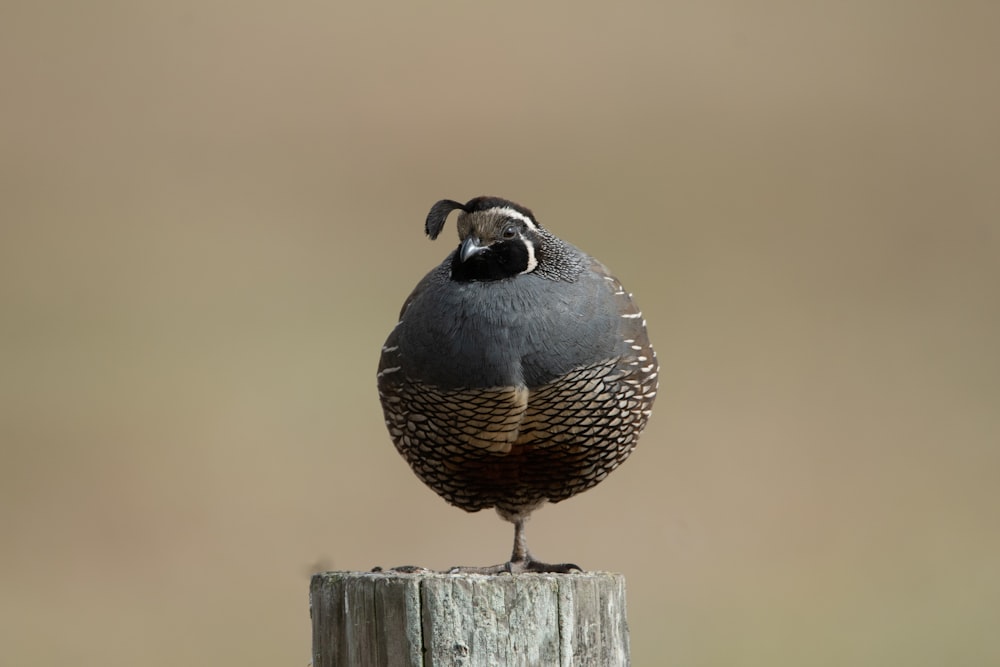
(440, 211)
(438, 215)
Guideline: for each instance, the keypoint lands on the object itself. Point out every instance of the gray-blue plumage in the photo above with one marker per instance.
(526, 330)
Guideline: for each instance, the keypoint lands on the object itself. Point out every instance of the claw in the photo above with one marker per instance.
(518, 567)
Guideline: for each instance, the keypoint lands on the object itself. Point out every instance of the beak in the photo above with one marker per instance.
(470, 247)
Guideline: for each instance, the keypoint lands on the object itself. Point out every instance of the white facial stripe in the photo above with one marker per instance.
(511, 213)
(532, 262)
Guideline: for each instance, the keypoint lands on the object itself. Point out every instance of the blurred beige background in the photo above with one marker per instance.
(212, 211)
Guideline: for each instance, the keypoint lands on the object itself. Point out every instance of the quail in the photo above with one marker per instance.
(519, 373)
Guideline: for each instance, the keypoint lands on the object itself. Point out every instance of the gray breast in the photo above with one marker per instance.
(522, 331)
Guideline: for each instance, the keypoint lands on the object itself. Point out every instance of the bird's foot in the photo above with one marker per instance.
(519, 567)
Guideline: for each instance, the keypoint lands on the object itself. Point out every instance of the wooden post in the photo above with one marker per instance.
(473, 620)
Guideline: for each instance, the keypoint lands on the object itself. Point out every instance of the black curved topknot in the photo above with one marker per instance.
(440, 211)
(437, 216)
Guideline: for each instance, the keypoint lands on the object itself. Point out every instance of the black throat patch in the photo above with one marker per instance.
(505, 259)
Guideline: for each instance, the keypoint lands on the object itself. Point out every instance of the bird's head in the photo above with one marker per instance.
(498, 238)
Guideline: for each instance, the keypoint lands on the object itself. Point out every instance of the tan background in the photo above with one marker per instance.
(212, 211)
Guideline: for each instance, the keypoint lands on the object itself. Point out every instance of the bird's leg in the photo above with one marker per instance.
(520, 553)
(520, 558)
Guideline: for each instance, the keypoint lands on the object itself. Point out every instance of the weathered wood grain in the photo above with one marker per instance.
(445, 620)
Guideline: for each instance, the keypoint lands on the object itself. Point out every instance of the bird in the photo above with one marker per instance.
(519, 373)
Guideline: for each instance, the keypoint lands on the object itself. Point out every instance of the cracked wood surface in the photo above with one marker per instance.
(443, 620)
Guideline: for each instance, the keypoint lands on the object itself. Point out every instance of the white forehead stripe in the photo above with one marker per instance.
(508, 212)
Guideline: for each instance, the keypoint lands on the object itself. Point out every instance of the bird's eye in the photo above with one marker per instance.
(509, 232)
